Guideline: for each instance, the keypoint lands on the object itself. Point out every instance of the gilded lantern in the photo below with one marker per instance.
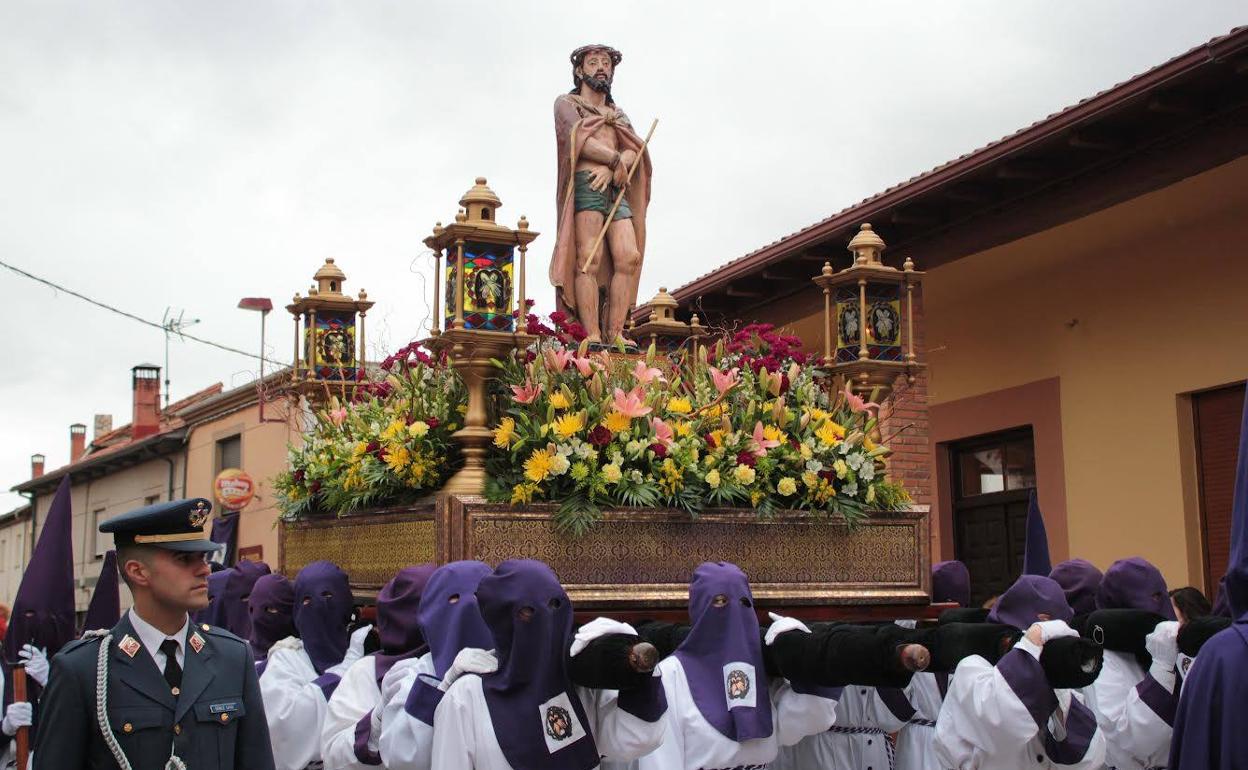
(330, 326)
(869, 317)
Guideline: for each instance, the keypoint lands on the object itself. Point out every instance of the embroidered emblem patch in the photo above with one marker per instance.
(197, 642)
(198, 515)
(129, 645)
(1185, 663)
(739, 687)
(560, 726)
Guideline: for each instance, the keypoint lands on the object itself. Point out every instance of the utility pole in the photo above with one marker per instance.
(172, 326)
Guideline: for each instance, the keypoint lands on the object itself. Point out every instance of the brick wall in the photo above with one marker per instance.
(904, 426)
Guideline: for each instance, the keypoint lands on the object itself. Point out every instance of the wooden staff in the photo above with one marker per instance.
(23, 733)
(589, 261)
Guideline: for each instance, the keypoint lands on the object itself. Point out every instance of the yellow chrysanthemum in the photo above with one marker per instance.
(806, 451)
(393, 430)
(559, 401)
(712, 479)
(786, 486)
(569, 425)
(683, 428)
(418, 428)
(537, 467)
(830, 433)
(359, 450)
(611, 473)
(617, 421)
(679, 406)
(505, 433)
(772, 433)
(398, 458)
(842, 470)
(810, 479)
(868, 444)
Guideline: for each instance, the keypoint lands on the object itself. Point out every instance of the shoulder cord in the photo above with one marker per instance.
(101, 710)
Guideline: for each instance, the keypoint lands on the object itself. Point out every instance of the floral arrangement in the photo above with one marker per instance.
(388, 444)
(749, 423)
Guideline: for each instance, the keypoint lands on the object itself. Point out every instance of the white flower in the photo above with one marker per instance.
(854, 461)
(559, 464)
(850, 489)
(637, 477)
(563, 450)
(867, 471)
(814, 466)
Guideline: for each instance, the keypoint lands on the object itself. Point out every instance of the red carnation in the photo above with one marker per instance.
(746, 457)
(710, 441)
(660, 450)
(433, 422)
(600, 436)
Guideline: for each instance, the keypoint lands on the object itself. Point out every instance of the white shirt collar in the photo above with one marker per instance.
(151, 637)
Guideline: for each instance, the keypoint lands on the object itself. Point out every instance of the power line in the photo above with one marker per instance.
(129, 315)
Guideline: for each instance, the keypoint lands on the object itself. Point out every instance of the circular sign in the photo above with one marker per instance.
(233, 489)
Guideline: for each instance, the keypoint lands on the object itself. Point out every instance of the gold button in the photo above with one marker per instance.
(206, 627)
(225, 717)
(127, 728)
(177, 729)
(177, 691)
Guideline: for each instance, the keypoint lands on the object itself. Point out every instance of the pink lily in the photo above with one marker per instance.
(662, 431)
(761, 442)
(557, 360)
(858, 403)
(585, 365)
(724, 381)
(337, 416)
(631, 404)
(526, 393)
(647, 374)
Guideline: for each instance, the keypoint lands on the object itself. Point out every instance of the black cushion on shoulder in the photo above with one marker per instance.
(950, 643)
(1071, 661)
(604, 664)
(1121, 630)
(1194, 633)
(964, 615)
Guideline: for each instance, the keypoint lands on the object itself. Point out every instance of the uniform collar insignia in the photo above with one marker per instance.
(129, 645)
(197, 642)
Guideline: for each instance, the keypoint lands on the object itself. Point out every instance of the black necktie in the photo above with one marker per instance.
(173, 672)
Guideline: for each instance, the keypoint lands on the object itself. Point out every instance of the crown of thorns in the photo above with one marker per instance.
(578, 56)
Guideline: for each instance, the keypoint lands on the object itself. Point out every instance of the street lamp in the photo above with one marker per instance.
(263, 305)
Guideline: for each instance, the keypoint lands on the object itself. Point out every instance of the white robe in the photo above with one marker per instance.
(464, 738)
(294, 704)
(354, 701)
(1136, 736)
(914, 742)
(693, 744)
(858, 740)
(406, 742)
(984, 725)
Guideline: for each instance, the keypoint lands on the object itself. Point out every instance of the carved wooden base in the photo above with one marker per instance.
(637, 558)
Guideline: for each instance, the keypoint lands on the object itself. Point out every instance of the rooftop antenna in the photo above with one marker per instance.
(173, 326)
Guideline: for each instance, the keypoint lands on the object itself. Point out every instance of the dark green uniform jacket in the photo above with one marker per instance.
(216, 720)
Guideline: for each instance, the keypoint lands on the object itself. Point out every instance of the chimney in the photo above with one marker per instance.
(103, 424)
(36, 466)
(146, 384)
(77, 441)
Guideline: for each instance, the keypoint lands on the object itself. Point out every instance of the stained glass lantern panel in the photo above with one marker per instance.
(882, 322)
(330, 346)
(487, 287)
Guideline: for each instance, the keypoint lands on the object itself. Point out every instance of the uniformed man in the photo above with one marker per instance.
(175, 695)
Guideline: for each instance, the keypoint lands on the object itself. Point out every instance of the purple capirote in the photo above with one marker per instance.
(234, 615)
(951, 582)
(398, 627)
(1080, 579)
(721, 637)
(43, 610)
(271, 606)
(105, 608)
(322, 613)
(1134, 584)
(449, 614)
(1027, 599)
(530, 617)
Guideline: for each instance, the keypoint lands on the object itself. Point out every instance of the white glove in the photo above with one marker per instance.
(470, 660)
(374, 733)
(355, 650)
(36, 662)
(1163, 644)
(400, 677)
(16, 716)
(780, 624)
(598, 627)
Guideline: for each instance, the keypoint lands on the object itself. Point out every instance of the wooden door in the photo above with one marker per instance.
(993, 479)
(1217, 415)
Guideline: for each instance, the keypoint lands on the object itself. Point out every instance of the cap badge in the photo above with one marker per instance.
(197, 642)
(129, 645)
(198, 514)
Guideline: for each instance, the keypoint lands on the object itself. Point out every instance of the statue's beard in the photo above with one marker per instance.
(600, 83)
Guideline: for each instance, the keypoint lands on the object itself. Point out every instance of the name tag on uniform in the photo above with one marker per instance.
(223, 708)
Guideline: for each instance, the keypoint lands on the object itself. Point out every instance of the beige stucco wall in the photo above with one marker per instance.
(263, 457)
(1130, 309)
(14, 553)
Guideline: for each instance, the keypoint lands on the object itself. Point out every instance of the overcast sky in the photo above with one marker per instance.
(182, 155)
